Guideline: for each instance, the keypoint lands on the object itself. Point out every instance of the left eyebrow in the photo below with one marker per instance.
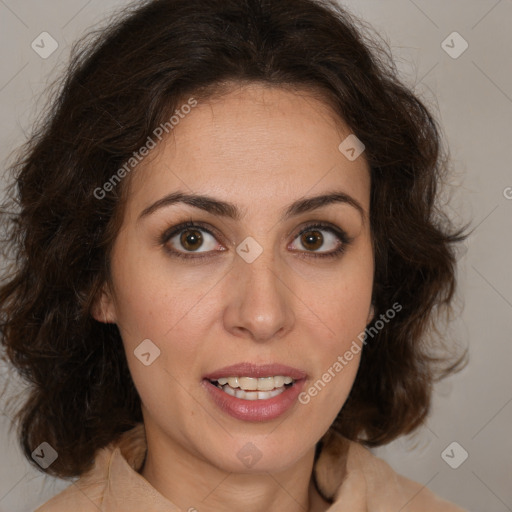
(230, 210)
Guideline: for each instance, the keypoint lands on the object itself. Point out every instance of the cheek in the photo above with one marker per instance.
(154, 320)
(161, 321)
(170, 320)
(340, 301)
(343, 310)
(151, 302)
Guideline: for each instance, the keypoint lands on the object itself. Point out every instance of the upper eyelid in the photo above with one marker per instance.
(182, 226)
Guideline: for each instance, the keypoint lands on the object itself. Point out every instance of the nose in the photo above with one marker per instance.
(260, 301)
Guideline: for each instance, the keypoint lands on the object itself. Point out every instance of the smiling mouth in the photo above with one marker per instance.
(249, 388)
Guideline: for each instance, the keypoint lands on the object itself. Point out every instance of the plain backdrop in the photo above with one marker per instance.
(471, 95)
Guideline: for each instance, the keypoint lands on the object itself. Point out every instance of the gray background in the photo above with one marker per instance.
(472, 97)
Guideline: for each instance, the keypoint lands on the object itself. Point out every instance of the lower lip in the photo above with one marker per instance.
(255, 410)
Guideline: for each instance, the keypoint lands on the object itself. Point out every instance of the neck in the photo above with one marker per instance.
(193, 484)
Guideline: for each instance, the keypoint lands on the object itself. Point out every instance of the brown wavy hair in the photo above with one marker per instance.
(125, 80)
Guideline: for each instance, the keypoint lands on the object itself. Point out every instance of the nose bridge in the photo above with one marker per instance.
(261, 304)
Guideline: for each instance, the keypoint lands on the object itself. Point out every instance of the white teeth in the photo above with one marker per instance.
(252, 395)
(264, 395)
(249, 388)
(252, 384)
(266, 384)
(228, 390)
(279, 381)
(248, 383)
(233, 382)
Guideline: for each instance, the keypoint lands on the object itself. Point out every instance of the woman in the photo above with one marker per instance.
(275, 140)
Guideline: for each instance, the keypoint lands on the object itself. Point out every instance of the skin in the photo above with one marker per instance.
(261, 148)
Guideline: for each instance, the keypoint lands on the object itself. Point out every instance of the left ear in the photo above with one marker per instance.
(371, 314)
(103, 309)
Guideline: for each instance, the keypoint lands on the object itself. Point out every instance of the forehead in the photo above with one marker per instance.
(253, 145)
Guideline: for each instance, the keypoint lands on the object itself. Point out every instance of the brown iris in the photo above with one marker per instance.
(191, 239)
(312, 239)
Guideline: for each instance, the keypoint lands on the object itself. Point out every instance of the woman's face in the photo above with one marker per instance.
(253, 281)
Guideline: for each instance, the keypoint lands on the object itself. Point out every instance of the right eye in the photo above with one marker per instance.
(184, 240)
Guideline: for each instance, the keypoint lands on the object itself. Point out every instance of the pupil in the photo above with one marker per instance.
(311, 237)
(191, 241)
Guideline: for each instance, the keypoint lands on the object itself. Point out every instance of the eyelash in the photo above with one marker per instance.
(171, 232)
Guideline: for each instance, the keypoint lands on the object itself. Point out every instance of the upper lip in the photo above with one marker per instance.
(256, 371)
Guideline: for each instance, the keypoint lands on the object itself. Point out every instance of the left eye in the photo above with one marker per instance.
(316, 237)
